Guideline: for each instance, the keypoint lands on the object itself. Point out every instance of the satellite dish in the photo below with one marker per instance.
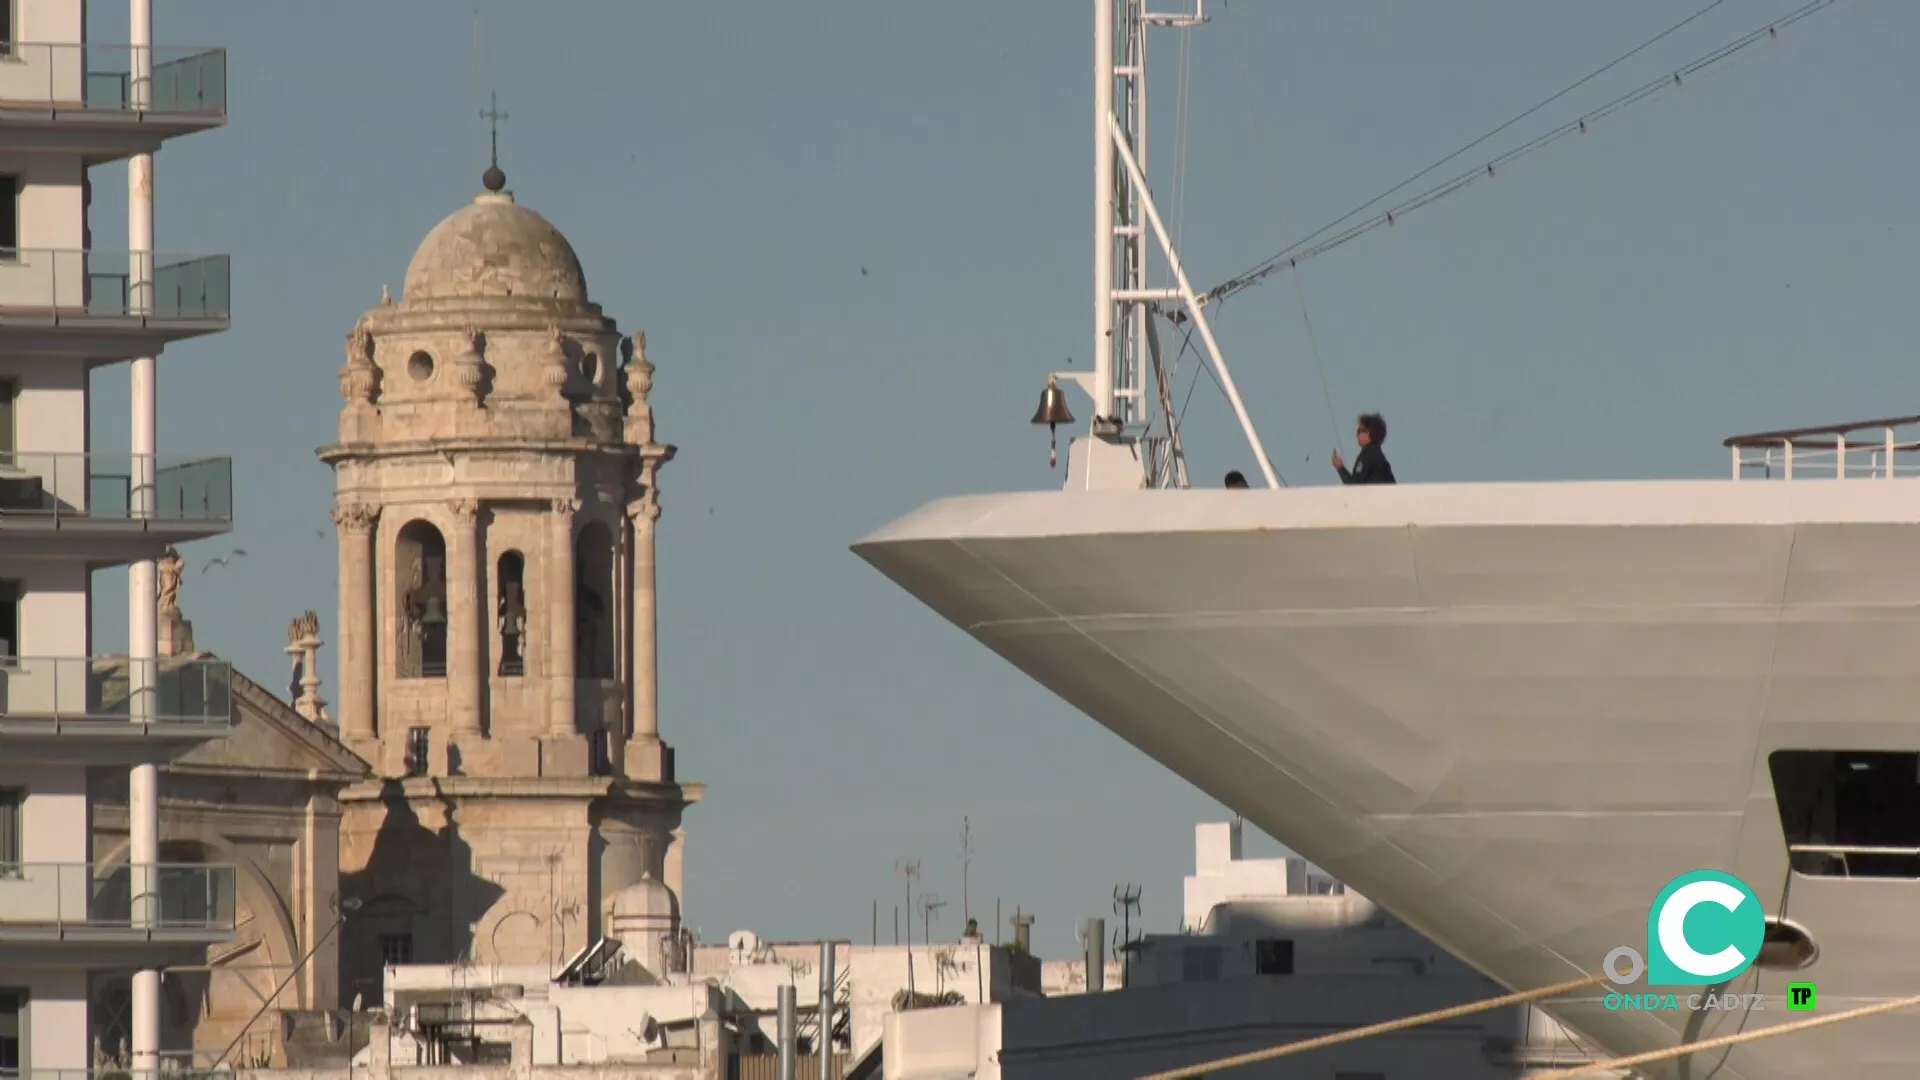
(649, 1029)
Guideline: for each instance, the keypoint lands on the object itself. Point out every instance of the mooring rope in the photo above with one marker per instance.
(1732, 1040)
(1186, 1072)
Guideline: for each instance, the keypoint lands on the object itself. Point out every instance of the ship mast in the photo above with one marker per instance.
(1125, 447)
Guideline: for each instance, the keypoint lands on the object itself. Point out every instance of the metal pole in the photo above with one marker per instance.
(788, 1059)
(828, 983)
(143, 782)
(1096, 955)
(1200, 320)
(1103, 145)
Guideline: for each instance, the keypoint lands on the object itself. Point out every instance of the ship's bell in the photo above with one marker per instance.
(1053, 411)
(1053, 406)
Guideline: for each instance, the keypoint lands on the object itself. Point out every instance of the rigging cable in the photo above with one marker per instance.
(1308, 248)
(1299, 290)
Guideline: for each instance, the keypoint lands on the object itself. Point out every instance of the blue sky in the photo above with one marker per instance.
(1734, 255)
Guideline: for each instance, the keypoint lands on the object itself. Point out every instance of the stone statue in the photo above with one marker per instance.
(171, 566)
(513, 629)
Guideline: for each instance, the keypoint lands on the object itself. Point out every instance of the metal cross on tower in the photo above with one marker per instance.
(493, 116)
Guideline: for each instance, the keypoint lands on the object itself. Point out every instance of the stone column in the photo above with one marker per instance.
(646, 685)
(358, 643)
(560, 719)
(466, 619)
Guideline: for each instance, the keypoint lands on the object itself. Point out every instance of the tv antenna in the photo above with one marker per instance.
(930, 905)
(1126, 904)
(966, 865)
(908, 871)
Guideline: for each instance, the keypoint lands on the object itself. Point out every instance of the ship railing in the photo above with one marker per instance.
(1862, 449)
(1821, 860)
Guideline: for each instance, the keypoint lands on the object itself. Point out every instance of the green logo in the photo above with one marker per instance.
(1801, 997)
(1705, 927)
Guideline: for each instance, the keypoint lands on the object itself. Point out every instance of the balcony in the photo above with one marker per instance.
(111, 710)
(86, 98)
(110, 305)
(116, 907)
(111, 498)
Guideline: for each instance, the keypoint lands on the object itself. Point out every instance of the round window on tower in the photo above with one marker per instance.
(420, 366)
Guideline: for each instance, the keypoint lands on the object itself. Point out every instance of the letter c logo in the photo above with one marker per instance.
(1740, 924)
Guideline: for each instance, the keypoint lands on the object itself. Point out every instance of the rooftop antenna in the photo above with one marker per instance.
(908, 871)
(966, 866)
(493, 178)
(1128, 446)
(1126, 904)
(930, 905)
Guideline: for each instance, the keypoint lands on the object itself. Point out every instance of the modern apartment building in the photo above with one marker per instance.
(72, 917)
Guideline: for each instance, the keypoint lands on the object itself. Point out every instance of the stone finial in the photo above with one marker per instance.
(639, 371)
(386, 296)
(303, 645)
(470, 365)
(554, 369)
(359, 379)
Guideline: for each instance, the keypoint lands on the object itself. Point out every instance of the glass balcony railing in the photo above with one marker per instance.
(116, 690)
(117, 487)
(161, 897)
(75, 284)
(186, 81)
(173, 1070)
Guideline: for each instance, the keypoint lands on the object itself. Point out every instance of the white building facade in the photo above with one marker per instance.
(73, 722)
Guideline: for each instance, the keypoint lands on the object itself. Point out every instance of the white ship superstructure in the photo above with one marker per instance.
(76, 921)
(1509, 713)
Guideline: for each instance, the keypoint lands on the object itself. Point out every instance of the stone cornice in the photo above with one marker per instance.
(493, 314)
(431, 789)
(440, 448)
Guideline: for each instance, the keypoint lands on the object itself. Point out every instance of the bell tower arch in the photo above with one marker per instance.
(496, 492)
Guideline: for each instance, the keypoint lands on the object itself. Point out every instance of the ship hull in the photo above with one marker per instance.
(1508, 713)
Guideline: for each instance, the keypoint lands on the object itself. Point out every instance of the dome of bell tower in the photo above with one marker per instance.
(495, 248)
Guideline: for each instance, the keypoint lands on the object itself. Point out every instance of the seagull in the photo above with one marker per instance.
(236, 553)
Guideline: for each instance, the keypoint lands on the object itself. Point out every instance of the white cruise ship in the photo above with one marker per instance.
(1509, 713)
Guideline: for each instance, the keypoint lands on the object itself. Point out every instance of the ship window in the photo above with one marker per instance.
(1849, 813)
(1273, 956)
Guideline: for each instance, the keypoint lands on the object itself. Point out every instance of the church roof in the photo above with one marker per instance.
(495, 248)
(268, 736)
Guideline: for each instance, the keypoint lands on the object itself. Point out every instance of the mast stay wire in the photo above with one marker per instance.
(1299, 290)
(1311, 246)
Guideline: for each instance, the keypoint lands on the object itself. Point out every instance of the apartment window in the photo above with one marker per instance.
(419, 745)
(12, 803)
(1273, 956)
(10, 593)
(9, 209)
(13, 1012)
(9, 395)
(396, 949)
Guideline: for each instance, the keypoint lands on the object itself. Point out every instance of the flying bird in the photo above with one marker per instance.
(223, 560)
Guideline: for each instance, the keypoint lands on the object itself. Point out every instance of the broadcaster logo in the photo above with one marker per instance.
(1705, 928)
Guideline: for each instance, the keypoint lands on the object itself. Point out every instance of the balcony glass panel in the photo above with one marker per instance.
(187, 80)
(164, 897)
(117, 487)
(74, 284)
(114, 689)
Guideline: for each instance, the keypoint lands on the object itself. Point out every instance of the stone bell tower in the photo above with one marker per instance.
(496, 497)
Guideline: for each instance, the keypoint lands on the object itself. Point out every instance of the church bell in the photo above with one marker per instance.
(434, 613)
(1053, 411)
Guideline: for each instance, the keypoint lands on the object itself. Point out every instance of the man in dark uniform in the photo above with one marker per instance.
(1371, 466)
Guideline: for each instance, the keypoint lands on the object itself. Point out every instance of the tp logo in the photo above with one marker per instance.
(1705, 927)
